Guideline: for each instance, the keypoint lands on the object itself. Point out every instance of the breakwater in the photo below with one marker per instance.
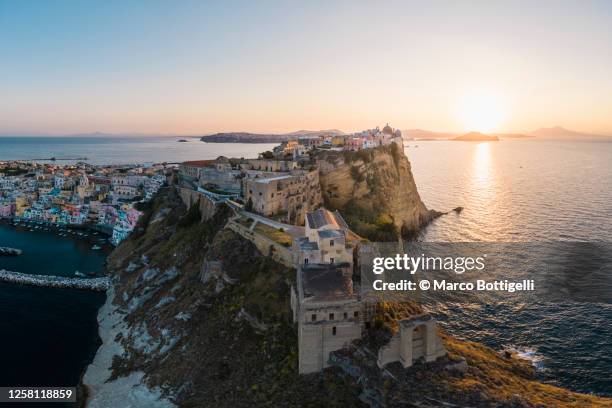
(96, 284)
(6, 251)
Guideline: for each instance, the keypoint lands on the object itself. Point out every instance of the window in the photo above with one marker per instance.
(313, 318)
(331, 316)
(334, 331)
(331, 242)
(305, 260)
(331, 260)
(345, 315)
(356, 314)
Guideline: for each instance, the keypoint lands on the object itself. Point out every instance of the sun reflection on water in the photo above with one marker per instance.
(482, 164)
(483, 190)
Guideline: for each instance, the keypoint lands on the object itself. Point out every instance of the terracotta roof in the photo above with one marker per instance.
(199, 163)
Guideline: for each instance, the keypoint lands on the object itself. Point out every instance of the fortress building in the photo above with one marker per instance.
(329, 311)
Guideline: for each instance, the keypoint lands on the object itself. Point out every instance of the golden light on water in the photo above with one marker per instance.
(482, 164)
(483, 189)
(481, 110)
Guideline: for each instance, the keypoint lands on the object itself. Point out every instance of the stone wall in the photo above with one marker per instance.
(416, 338)
(317, 340)
(189, 197)
(265, 245)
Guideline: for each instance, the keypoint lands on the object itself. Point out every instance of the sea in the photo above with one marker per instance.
(518, 191)
(48, 335)
(531, 194)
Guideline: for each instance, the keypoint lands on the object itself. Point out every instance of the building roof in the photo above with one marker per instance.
(305, 245)
(325, 282)
(323, 217)
(270, 179)
(199, 163)
(331, 234)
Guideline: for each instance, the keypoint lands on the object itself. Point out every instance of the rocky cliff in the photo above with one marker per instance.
(198, 317)
(375, 191)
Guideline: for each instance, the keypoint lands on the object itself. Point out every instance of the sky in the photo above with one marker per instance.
(196, 67)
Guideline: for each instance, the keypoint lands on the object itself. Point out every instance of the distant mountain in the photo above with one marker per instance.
(420, 134)
(476, 137)
(511, 135)
(558, 132)
(245, 137)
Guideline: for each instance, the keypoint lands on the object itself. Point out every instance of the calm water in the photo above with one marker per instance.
(516, 190)
(526, 191)
(47, 335)
(123, 150)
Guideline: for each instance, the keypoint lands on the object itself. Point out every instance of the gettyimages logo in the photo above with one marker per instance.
(487, 272)
(412, 264)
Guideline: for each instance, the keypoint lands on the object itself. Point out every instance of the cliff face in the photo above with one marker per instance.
(198, 317)
(375, 190)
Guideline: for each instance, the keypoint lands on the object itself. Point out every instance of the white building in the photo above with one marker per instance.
(327, 239)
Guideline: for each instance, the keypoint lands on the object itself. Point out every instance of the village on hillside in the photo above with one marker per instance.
(40, 195)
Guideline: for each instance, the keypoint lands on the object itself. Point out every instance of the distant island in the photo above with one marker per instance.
(512, 136)
(246, 137)
(476, 137)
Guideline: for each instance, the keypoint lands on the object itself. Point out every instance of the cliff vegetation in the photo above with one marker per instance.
(375, 191)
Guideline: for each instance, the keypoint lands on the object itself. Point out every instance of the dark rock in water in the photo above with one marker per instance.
(182, 140)
(458, 210)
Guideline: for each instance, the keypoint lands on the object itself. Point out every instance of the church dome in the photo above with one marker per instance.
(398, 133)
(388, 130)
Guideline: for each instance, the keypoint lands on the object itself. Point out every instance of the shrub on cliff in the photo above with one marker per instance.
(372, 224)
(193, 216)
(356, 174)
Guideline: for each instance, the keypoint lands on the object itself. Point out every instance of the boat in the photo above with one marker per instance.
(77, 273)
(96, 247)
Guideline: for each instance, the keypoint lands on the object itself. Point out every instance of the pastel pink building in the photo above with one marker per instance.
(6, 210)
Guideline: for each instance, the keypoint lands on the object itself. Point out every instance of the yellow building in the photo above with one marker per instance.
(337, 141)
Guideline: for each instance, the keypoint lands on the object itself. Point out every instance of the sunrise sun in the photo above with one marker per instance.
(480, 110)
